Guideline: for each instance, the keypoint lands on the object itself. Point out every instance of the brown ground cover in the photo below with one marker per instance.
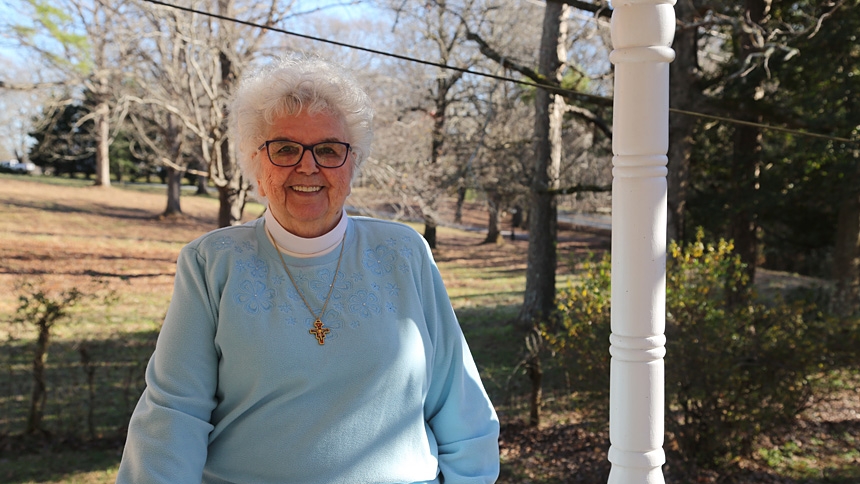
(111, 234)
(103, 234)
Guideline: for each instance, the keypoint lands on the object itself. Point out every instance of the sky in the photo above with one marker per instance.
(12, 12)
(17, 107)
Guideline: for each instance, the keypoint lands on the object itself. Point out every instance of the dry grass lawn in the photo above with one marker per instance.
(66, 235)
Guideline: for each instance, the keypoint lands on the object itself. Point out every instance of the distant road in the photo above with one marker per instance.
(591, 220)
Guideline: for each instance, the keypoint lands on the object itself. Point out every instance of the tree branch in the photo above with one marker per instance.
(579, 189)
(592, 118)
(29, 86)
(507, 63)
(600, 9)
(571, 98)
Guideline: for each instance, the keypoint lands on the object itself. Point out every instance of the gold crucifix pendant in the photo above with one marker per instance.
(319, 331)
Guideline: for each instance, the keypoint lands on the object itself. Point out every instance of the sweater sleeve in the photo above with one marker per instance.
(169, 430)
(457, 408)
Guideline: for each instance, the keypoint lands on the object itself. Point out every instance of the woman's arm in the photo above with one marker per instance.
(169, 429)
(457, 408)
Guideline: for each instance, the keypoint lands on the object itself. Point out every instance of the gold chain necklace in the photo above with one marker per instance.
(319, 332)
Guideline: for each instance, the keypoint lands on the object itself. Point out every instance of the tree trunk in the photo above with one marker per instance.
(103, 144)
(539, 297)
(682, 89)
(232, 195)
(232, 187)
(744, 173)
(174, 193)
(430, 230)
(202, 185)
(437, 140)
(440, 104)
(846, 253)
(534, 369)
(746, 159)
(90, 371)
(233, 192)
(37, 398)
(516, 220)
(535, 372)
(231, 198)
(461, 199)
(494, 232)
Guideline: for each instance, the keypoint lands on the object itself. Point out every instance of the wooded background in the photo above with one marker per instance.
(509, 101)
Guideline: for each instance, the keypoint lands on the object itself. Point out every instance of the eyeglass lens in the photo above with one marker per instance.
(288, 153)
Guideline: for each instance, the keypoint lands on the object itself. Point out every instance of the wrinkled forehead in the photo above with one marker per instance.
(307, 127)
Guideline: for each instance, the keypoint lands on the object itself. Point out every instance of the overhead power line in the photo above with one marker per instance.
(556, 89)
(765, 126)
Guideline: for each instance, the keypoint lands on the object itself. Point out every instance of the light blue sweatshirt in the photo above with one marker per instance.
(239, 391)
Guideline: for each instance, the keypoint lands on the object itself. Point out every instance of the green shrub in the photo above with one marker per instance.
(579, 335)
(736, 366)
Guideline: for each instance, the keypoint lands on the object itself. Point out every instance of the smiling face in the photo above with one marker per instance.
(307, 200)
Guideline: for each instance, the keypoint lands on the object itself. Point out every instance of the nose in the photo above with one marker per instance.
(307, 164)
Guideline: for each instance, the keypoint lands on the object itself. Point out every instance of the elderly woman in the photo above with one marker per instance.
(309, 346)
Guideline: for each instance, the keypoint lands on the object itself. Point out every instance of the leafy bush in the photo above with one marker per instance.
(736, 366)
(742, 366)
(579, 335)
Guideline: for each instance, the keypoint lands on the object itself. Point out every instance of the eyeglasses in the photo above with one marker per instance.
(286, 153)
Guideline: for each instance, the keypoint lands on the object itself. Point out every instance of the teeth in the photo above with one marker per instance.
(299, 188)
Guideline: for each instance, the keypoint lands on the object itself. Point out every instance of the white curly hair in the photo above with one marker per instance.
(288, 86)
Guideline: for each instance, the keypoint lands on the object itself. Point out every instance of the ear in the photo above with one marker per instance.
(260, 189)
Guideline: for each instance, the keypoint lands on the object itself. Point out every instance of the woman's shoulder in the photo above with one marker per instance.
(386, 229)
(231, 238)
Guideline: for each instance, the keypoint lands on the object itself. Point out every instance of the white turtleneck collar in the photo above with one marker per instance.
(296, 246)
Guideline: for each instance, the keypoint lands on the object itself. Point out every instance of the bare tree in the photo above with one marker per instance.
(19, 103)
(436, 27)
(164, 135)
(499, 165)
(192, 61)
(167, 108)
(86, 45)
(543, 216)
(552, 102)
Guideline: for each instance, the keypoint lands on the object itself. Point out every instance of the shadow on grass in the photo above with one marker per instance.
(109, 211)
(92, 386)
(565, 449)
(79, 466)
(101, 210)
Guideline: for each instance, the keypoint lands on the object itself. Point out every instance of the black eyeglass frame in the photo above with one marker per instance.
(306, 148)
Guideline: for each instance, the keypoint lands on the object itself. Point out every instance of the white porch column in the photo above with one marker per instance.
(642, 32)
